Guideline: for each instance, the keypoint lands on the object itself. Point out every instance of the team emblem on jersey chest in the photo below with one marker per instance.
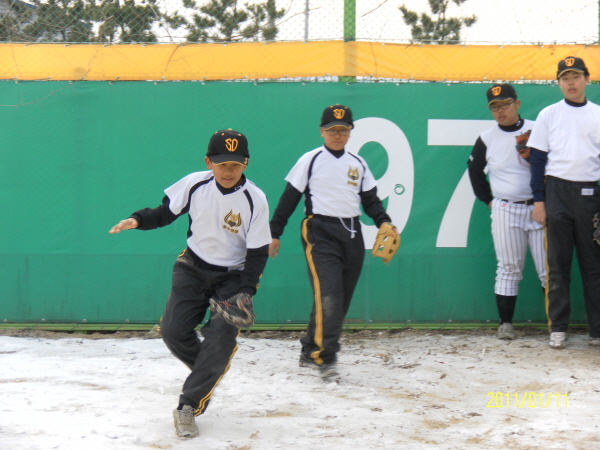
(232, 221)
(353, 175)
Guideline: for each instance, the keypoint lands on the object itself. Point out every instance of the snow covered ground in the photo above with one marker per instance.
(406, 390)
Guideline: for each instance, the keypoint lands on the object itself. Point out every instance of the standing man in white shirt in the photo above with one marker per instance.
(565, 169)
(335, 183)
(503, 150)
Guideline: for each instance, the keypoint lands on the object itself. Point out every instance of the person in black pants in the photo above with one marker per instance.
(565, 169)
(334, 183)
(227, 249)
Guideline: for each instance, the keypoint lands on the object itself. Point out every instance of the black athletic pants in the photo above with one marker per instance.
(334, 260)
(194, 284)
(570, 207)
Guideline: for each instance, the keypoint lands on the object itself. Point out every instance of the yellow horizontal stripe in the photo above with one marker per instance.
(254, 60)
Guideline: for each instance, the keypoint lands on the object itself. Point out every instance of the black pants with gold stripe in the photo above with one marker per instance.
(209, 360)
(334, 260)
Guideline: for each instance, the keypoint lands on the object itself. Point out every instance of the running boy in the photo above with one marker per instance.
(334, 183)
(565, 169)
(227, 249)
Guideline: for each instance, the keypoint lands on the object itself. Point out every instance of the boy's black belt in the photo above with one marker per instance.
(520, 202)
(199, 262)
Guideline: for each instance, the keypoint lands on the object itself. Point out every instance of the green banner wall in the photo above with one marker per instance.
(78, 157)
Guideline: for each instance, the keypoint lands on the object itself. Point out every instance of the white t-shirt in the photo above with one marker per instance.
(332, 184)
(222, 226)
(571, 136)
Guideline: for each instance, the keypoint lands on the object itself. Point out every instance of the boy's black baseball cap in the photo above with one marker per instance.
(337, 115)
(228, 146)
(571, 63)
(500, 93)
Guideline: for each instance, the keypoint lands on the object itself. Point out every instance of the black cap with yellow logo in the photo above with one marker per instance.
(501, 93)
(228, 146)
(573, 64)
(337, 115)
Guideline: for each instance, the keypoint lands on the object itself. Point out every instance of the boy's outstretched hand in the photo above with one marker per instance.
(126, 224)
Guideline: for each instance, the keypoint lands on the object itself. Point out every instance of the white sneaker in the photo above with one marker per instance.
(594, 342)
(506, 331)
(558, 339)
(185, 423)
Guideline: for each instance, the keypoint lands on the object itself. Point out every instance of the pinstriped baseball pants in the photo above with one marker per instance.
(513, 230)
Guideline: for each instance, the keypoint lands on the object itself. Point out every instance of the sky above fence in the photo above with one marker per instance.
(509, 21)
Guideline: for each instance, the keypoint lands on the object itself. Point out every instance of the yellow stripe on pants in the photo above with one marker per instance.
(318, 337)
(204, 401)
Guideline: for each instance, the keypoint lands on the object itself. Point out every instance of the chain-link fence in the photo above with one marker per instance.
(180, 21)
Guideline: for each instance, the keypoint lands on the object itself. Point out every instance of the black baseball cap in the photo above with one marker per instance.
(335, 115)
(501, 93)
(571, 63)
(228, 146)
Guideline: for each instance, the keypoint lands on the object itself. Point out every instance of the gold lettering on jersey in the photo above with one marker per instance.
(569, 62)
(496, 90)
(230, 229)
(339, 113)
(231, 145)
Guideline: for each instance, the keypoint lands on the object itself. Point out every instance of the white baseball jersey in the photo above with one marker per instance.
(513, 229)
(332, 185)
(572, 156)
(222, 226)
(508, 172)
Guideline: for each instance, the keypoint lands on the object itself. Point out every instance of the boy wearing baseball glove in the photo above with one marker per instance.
(335, 183)
(227, 249)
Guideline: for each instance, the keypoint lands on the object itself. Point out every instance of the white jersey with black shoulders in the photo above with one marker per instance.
(223, 223)
(508, 172)
(332, 185)
(335, 183)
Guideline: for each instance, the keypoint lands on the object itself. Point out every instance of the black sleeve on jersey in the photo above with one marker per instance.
(373, 207)
(256, 260)
(538, 171)
(151, 218)
(286, 207)
(477, 162)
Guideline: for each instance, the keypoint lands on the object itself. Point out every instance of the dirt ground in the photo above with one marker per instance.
(347, 336)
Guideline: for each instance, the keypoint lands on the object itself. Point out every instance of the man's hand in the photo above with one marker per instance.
(274, 248)
(126, 224)
(539, 213)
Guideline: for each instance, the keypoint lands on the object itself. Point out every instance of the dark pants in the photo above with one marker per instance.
(334, 264)
(569, 226)
(193, 286)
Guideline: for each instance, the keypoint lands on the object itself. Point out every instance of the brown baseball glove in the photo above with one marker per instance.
(236, 310)
(521, 146)
(387, 242)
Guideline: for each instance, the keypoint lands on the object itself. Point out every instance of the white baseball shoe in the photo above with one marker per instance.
(558, 339)
(594, 342)
(185, 423)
